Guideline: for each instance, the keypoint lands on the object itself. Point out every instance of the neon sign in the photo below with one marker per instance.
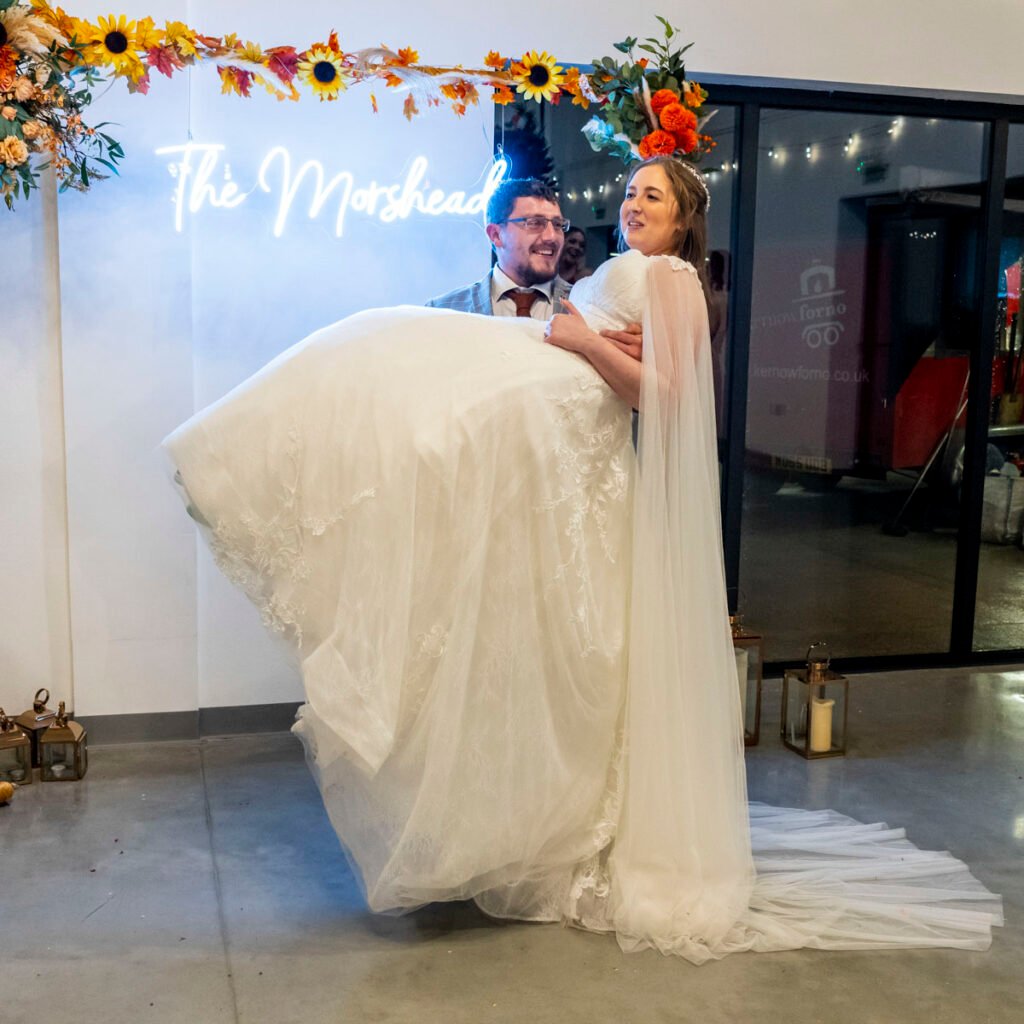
(199, 166)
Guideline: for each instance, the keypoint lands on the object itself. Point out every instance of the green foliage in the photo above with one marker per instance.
(58, 138)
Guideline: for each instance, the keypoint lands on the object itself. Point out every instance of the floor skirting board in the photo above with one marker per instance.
(188, 725)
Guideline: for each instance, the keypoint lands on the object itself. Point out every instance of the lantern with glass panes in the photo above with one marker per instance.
(15, 753)
(748, 648)
(814, 707)
(35, 720)
(63, 756)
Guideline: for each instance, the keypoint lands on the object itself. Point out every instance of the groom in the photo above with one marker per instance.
(524, 282)
(527, 230)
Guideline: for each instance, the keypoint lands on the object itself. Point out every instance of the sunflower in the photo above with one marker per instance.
(112, 42)
(323, 71)
(539, 77)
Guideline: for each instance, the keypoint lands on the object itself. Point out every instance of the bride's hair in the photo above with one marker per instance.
(691, 238)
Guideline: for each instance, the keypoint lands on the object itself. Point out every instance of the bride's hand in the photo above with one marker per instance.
(569, 330)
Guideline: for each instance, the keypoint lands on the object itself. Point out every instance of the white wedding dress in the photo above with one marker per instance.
(513, 632)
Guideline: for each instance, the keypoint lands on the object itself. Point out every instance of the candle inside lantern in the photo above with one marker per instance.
(742, 671)
(821, 725)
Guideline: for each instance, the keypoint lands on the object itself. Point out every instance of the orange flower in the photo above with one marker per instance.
(687, 140)
(676, 118)
(13, 151)
(659, 143)
(572, 86)
(407, 55)
(694, 95)
(24, 89)
(502, 95)
(494, 60)
(7, 68)
(392, 81)
(661, 99)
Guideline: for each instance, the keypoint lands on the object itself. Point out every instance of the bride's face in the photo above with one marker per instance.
(649, 217)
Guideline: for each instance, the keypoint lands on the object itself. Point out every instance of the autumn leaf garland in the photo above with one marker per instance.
(51, 64)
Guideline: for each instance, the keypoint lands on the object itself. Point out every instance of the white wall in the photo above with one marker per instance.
(156, 323)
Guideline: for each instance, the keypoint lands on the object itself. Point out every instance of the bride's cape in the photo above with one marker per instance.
(513, 634)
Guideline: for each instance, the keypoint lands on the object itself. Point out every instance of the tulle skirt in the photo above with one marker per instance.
(437, 509)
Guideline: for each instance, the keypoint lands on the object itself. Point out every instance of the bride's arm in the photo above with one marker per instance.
(621, 371)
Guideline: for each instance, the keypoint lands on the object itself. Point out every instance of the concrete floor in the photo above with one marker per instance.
(199, 882)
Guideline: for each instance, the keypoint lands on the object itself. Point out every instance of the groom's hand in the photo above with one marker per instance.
(630, 341)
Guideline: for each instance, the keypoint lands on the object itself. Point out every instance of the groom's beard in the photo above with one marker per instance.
(532, 277)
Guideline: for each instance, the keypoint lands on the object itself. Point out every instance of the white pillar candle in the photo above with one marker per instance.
(821, 725)
(742, 669)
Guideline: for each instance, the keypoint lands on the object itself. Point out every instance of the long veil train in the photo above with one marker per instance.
(681, 873)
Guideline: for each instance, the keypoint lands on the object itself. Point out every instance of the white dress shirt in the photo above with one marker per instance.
(504, 305)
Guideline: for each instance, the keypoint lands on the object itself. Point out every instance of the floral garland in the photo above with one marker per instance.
(51, 63)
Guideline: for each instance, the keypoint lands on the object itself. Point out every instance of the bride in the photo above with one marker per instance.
(512, 627)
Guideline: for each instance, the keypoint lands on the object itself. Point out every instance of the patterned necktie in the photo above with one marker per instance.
(524, 301)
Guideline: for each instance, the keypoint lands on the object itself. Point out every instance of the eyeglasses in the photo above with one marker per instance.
(539, 223)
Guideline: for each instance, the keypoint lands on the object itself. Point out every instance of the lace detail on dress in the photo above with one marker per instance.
(594, 476)
(318, 526)
(678, 263)
(262, 555)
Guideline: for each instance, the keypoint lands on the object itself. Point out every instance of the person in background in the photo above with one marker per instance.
(573, 264)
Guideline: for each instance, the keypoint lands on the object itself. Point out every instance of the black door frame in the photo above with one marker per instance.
(750, 101)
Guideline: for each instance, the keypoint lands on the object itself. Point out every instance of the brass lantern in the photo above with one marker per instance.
(15, 753)
(63, 756)
(748, 647)
(814, 707)
(35, 720)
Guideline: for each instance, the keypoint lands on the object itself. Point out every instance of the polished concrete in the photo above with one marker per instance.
(200, 882)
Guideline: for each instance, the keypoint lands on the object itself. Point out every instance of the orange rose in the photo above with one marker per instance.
(24, 89)
(31, 129)
(9, 113)
(658, 144)
(13, 151)
(661, 99)
(686, 140)
(676, 118)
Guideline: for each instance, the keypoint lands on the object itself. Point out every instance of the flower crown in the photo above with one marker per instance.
(648, 108)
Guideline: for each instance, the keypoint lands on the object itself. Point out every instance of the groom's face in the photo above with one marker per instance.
(528, 256)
